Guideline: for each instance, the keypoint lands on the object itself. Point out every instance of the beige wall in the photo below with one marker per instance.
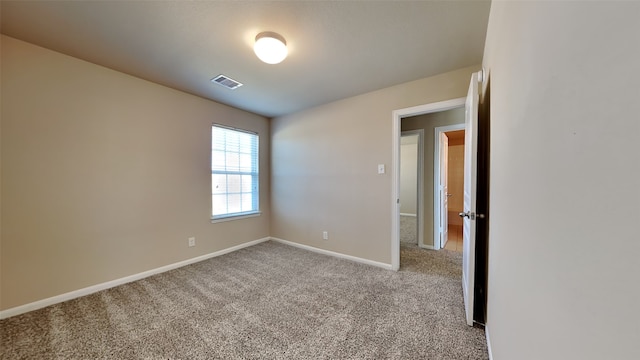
(105, 175)
(324, 167)
(429, 122)
(409, 178)
(563, 269)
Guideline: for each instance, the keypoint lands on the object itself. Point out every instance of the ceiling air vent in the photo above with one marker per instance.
(226, 81)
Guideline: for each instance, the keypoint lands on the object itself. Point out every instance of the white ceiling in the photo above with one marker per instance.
(337, 49)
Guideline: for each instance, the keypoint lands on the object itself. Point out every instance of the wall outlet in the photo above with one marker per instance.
(192, 241)
(325, 235)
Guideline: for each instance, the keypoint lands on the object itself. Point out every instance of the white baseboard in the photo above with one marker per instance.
(334, 254)
(407, 214)
(113, 283)
(486, 333)
(430, 247)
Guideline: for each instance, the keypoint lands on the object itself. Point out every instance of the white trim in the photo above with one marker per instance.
(407, 214)
(423, 246)
(436, 180)
(486, 333)
(334, 254)
(430, 108)
(396, 117)
(420, 190)
(235, 217)
(395, 192)
(113, 283)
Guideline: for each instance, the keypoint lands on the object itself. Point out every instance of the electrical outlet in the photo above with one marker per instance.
(192, 241)
(325, 235)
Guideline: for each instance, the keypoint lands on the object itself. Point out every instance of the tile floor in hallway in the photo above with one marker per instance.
(454, 242)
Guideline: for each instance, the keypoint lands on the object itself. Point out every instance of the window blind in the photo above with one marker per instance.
(234, 172)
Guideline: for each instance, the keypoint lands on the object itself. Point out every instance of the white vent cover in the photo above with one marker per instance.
(226, 81)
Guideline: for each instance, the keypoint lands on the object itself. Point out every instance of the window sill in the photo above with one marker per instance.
(235, 217)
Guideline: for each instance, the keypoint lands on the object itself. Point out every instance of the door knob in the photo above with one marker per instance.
(471, 215)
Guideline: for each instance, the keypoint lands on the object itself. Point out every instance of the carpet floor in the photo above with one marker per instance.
(268, 301)
(408, 229)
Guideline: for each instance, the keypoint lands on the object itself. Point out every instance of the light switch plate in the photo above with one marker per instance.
(380, 168)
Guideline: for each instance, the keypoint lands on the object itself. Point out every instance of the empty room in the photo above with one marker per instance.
(170, 191)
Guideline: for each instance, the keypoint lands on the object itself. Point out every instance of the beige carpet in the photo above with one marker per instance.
(269, 301)
(408, 229)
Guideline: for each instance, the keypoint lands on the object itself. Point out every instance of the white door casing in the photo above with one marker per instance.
(469, 205)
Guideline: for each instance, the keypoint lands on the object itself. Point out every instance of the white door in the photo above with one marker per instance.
(444, 190)
(469, 206)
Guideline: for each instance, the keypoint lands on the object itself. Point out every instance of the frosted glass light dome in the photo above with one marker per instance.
(270, 47)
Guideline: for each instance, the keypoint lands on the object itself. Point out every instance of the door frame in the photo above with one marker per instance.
(397, 116)
(420, 183)
(437, 202)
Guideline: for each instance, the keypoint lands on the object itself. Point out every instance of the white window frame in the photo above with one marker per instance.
(221, 169)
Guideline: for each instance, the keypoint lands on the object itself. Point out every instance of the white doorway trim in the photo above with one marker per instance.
(420, 181)
(436, 179)
(397, 116)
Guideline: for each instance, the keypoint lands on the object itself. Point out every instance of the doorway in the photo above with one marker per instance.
(400, 118)
(448, 188)
(475, 157)
(456, 188)
(411, 187)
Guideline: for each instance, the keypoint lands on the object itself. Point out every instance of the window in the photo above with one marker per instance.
(234, 172)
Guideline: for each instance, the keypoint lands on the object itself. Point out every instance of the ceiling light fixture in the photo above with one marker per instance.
(270, 47)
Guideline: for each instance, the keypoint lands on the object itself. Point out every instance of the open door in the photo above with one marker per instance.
(444, 190)
(469, 206)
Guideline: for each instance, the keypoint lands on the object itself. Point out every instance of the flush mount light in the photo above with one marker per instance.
(270, 47)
